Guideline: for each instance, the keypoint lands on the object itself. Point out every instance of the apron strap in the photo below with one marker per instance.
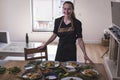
(67, 28)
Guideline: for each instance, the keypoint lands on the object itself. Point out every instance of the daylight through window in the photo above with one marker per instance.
(44, 13)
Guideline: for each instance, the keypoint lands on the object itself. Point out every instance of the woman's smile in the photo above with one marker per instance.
(67, 10)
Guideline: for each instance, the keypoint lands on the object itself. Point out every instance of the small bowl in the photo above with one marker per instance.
(51, 76)
(29, 66)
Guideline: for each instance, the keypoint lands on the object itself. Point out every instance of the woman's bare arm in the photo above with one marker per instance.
(82, 46)
(52, 38)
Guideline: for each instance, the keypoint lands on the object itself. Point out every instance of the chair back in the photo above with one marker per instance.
(30, 53)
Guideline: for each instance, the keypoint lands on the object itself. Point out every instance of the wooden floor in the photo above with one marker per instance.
(94, 51)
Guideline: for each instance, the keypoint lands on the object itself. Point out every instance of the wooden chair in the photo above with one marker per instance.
(32, 51)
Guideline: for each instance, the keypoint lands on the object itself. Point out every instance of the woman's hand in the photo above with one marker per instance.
(49, 41)
(88, 59)
(42, 46)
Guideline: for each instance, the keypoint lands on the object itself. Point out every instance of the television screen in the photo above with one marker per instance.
(4, 38)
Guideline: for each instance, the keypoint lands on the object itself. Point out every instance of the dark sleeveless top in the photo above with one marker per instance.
(67, 33)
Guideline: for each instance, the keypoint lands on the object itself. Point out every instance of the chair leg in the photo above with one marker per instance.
(105, 53)
(41, 59)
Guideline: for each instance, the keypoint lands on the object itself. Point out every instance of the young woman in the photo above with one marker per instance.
(68, 29)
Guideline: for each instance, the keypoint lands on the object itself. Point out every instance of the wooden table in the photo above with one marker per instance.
(98, 66)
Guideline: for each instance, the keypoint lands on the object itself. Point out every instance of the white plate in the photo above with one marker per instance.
(74, 78)
(31, 76)
(92, 70)
(51, 77)
(29, 66)
(50, 64)
(71, 64)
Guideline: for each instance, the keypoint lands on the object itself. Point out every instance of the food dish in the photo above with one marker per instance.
(51, 76)
(50, 64)
(90, 72)
(2, 69)
(35, 62)
(71, 78)
(29, 66)
(71, 64)
(31, 75)
(70, 69)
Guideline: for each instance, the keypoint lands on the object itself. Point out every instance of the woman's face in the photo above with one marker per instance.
(67, 9)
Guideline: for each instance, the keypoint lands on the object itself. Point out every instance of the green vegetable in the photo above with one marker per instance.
(2, 70)
(14, 70)
(81, 68)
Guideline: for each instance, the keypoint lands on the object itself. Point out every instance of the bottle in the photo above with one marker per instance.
(27, 38)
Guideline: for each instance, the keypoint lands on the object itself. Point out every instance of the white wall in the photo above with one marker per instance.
(115, 0)
(15, 17)
(95, 16)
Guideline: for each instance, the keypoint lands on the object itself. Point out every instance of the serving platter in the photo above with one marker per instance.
(50, 64)
(90, 72)
(71, 64)
(31, 75)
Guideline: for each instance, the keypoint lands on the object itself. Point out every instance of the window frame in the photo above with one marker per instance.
(32, 15)
(51, 23)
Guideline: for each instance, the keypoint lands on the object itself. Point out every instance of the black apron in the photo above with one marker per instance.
(66, 50)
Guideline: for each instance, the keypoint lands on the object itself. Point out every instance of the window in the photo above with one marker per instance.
(44, 13)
